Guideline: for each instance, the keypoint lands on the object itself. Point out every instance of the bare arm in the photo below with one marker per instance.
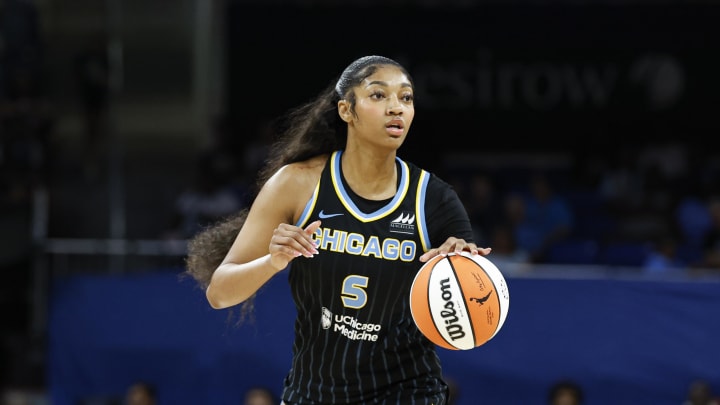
(267, 241)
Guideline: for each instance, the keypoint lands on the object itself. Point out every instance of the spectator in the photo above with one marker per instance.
(692, 218)
(484, 206)
(621, 184)
(210, 198)
(260, 396)
(140, 393)
(510, 259)
(663, 257)
(540, 218)
(700, 393)
(565, 392)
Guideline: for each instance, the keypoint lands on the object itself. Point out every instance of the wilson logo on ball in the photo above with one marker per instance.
(453, 327)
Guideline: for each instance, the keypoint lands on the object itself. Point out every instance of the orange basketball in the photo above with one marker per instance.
(459, 301)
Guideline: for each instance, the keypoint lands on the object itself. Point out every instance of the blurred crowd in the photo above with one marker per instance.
(651, 207)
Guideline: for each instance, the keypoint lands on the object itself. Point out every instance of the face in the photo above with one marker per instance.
(383, 111)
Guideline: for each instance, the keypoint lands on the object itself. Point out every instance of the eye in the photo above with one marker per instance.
(408, 98)
(377, 95)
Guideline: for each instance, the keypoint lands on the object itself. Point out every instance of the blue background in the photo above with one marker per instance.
(626, 341)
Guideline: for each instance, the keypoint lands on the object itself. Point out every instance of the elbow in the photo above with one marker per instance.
(213, 299)
(219, 299)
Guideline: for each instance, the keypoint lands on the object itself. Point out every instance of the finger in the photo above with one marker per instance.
(304, 246)
(285, 245)
(451, 245)
(310, 229)
(443, 249)
(430, 254)
(427, 255)
(484, 251)
(474, 250)
(297, 241)
(303, 237)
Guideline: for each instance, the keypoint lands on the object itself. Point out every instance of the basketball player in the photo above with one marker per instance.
(353, 223)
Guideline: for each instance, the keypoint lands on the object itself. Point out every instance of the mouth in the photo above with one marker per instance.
(395, 127)
(395, 123)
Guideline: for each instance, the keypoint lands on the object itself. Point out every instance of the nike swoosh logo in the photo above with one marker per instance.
(323, 215)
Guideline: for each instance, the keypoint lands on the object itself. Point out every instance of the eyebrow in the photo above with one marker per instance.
(382, 83)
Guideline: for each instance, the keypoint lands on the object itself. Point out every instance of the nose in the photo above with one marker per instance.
(394, 107)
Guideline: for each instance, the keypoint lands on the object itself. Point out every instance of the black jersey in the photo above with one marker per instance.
(355, 340)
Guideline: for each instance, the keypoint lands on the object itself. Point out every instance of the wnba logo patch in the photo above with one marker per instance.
(405, 223)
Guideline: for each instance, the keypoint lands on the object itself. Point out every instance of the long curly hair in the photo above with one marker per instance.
(312, 129)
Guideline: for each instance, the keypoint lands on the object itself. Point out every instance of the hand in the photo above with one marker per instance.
(453, 244)
(289, 242)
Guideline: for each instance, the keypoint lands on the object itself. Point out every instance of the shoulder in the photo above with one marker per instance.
(299, 174)
(436, 186)
(302, 170)
(439, 187)
(289, 188)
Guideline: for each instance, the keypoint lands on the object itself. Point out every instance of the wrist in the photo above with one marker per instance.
(269, 264)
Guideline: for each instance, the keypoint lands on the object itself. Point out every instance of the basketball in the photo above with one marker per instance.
(459, 301)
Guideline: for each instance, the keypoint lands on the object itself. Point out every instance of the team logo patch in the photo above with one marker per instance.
(349, 326)
(405, 223)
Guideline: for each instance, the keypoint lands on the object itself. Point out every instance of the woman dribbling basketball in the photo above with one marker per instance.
(352, 223)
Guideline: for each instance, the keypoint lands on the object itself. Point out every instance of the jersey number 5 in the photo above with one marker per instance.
(353, 291)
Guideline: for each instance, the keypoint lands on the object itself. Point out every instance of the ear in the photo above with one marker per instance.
(344, 111)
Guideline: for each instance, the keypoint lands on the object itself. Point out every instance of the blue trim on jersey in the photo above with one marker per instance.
(420, 209)
(309, 207)
(350, 205)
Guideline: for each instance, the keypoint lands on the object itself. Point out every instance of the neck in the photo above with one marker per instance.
(370, 175)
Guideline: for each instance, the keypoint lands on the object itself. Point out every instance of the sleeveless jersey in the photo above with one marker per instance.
(355, 340)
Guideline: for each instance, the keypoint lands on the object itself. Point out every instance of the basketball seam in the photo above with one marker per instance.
(462, 294)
